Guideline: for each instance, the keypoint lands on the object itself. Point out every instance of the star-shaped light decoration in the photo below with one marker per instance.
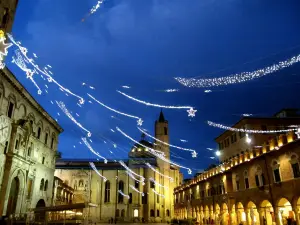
(3, 48)
(39, 92)
(29, 74)
(191, 112)
(189, 171)
(140, 122)
(89, 134)
(194, 154)
(81, 101)
(298, 133)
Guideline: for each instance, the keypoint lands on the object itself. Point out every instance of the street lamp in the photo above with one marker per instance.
(218, 153)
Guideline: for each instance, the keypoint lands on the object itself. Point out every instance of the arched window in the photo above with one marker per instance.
(168, 213)
(152, 213)
(246, 179)
(123, 213)
(17, 145)
(52, 141)
(39, 132)
(42, 185)
(157, 213)
(121, 188)
(107, 192)
(30, 149)
(130, 198)
(276, 171)
(295, 166)
(80, 183)
(117, 212)
(46, 138)
(46, 185)
(259, 177)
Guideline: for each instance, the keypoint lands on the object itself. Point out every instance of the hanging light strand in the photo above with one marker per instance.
(92, 150)
(95, 169)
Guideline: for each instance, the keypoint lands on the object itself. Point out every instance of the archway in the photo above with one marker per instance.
(40, 216)
(206, 214)
(252, 214)
(225, 214)
(241, 215)
(211, 212)
(201, 215)
(285, 211)
(13, 196)
(217, 214)
(233, 216)
(266, 213)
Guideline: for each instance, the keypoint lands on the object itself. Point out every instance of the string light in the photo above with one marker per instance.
(94, 8)
(126, 87)
(210, 123)
(171, 90)
(159, 106)
(139, 120)
(3, 50)
(156, 171)
(237, 78)
(95, 169)
(153, 151)
(165, 143)
(131, 171)
(207, 91)
(63, 108)
(158, 184)
(37, 70)
(133, 188)
(84, 140)
(127, 196)
(184, 141)
(161, 195)
(133, 177)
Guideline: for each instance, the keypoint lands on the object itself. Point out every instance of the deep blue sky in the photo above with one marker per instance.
(144, 44)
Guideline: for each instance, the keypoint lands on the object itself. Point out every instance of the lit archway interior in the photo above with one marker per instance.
(285, 211)
(267, 213)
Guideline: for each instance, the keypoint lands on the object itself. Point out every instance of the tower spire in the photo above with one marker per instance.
(161, 117)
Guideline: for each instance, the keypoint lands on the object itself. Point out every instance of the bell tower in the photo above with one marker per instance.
(162, 134)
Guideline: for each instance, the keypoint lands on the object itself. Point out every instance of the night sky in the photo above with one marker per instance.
(144, 44)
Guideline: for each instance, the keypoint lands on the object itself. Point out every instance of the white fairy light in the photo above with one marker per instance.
(191, 112)
(210, 149)
(194, 154)
(112, 130)
(158, 184)
(77, 114)
(126, 87)
(34, 55)
(165, 143)
(157, 105)
(156, 171)
(161, 195)
(131, 171)
(42, 72)
(152, 151)
(171, 90)
(84, 140)
(237, 78)
(248, 139)
(127, 196)
(96, 7)
(134, 178)
(95, 169)
(133, 188)
(91, 87)
(4, 47)
(139, 120)
(246, 114)
(210, 123)
(207, 91)
(298, 133)
(184, 141)
(63, 108)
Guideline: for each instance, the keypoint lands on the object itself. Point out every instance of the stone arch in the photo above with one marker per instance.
(252, 213)
(266, 212)
(31, 117)
(217, 212)
(40, 216)
(39, 129)
(285, 210)
(240, 211)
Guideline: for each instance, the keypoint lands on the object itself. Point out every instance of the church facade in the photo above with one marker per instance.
(120, 196)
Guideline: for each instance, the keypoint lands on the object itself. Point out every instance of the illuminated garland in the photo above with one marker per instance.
(161, 195)
(171, 90)
(127, 196)
(210, 123)
(3, 49)
(63, 108)
(165, 143)
(133, 188)
(139, 120)
(237, 78)
(156, 171)
(158, 184)
(131, 171)
(184, 141)
(153, 151)
(133, 177)
(95, 169)
(190, 110)
(42, 72)
(92, 150)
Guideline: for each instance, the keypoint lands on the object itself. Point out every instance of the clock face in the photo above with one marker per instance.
(4, 128)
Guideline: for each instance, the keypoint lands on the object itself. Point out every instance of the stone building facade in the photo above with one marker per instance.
(259, 185)
(28, 145)
(89, 186)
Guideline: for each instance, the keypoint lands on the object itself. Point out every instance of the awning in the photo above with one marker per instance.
(64, 207)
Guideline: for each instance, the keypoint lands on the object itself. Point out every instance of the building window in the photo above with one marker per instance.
(29, 150)
(152, 213)
(226, 142)
(52, 142)
(42, 185)
(295, 166)
(276, 172)
(46, 139)
(246, 180)
(10, 110)
(152, 184)
(39, 133)
(168, 213)
(220, 145)
(43, 160)
(123, 213)
(136, 213)
(145, 199)
(157, 198)
(117, 212)
(157, 213)
(46, 185)
(233, 138)
(29, 188)
(130, 198)
(121, 188)
(5, 148)
(259, 177)
(107, 192)
(166, 130)
(17, 145)
(136, 184)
